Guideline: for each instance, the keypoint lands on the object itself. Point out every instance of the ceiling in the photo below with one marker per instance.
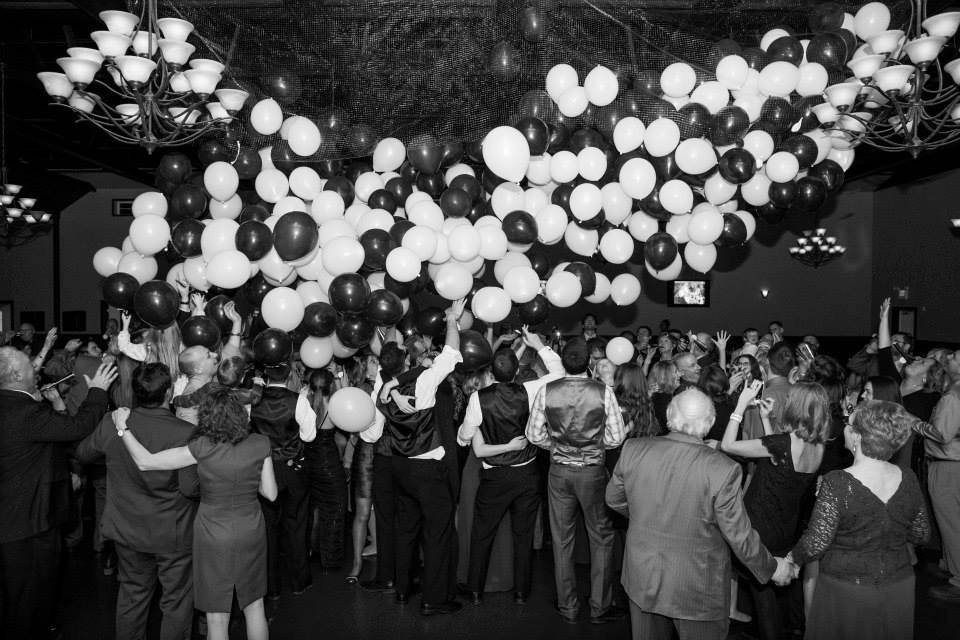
(41, 137)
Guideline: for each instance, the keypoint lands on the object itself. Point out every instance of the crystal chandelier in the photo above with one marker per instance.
(815, 248)
(155, 96)
(903, 95)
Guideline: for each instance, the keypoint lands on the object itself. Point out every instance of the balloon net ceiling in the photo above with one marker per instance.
(455, 69)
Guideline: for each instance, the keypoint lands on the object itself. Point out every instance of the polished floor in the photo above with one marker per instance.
(332, 610)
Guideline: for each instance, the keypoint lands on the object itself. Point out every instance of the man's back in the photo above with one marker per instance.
(684, 504)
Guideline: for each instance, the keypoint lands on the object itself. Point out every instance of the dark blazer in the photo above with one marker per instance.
(34, 481)
(146, 510)
(685, 507)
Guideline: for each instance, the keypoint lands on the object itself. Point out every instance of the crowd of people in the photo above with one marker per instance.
(701, 467)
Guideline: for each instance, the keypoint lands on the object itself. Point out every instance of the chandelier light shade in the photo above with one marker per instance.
(903, 94)
(148, 90)
(815, 248)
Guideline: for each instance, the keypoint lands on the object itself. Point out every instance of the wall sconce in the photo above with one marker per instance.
(955, 226)
(764, 293)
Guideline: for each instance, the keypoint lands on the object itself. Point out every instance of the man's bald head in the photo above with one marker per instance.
(197, 360)
(691, 412)
(16, 370)
(688, 367)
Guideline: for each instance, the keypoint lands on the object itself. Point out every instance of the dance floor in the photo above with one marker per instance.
(332, 610)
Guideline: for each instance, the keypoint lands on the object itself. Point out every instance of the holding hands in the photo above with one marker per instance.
(786, 572)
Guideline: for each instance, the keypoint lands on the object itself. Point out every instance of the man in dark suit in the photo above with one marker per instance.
(35, 488)
(685, 507)
(147, 514)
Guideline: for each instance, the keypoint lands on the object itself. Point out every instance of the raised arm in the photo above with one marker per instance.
(883, 331)
(166, 460)
(231, 347)
(721, 340)
(452, 315)
(744, 448)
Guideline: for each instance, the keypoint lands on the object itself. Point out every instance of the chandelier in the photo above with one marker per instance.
(904, 94)
(815, 248)
(155, 96)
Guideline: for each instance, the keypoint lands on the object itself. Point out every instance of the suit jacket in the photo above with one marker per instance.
(685, 506)
(34, 480)
(145, 510)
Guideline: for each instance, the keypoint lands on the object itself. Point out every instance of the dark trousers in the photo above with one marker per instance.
(501, 489)
(138, 575)
(385, 508)
(425, 504)
(570, 489)
(328, 498)
(652, 626)
(286, 519)
(29, 573)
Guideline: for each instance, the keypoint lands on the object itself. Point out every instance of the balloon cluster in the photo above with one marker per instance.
(591, 174)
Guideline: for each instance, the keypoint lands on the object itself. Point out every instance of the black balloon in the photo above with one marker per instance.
(376, 243)
(255, 289)
(212, 150)
(118, 290)
(825, 16)
(248, 163)
(770, 213)
(214, 309)
(583, 138)
(651, 204)
(431, 183)
(383, 199)
(402, 289)
(665, 166)
(586, 275)
(694, 120)
(537, 134)
(537, 103)
(782, 193)
(647, 81)
(830, 172)
(451, 153)
(532, 24)
(342, 186)
(349, 293)
(354, 330)
(188, 201)
(490, 180)
(399, 229)
(157, 303)
(607, 117)
(425, 154)
(400, 188)
(254, 239)
(803, 148)
(561, 197)
(504, 61)
(186, 237)
(480, 209)
(559, 137)
(756, 58)
(476, 351)
(384, 308)
(811, 194)
(535, 311)
(721, 50)
(282, 85)
(829, 49)
(729, 125)
(272, 347)
(295, 235)
(539, 260)
(455, 203)
(734, 231)
(778, 113)
(202, 331)
(737, 165)
(786, 48)
(469, 184)
(327, 168)
(660, 250)
(319, 319)
(431, 322)
(520, 227)
(256, 211)
(174, 167)
(283, 157)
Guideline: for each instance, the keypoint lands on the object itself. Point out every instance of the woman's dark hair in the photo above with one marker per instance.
(755, 371)
(829, 374)
(630, 388)
(321, 388)
(223, 418)
(885, 388)
(150, 383)
(714, 382)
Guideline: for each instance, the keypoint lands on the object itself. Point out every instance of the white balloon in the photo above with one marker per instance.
(782, 167)
(106, 261)
(676, 196)
(311, 292)
(772, 36)
(601, 292)
(522, 284)
(534, 200)
(506, 153)
(564, 167)
(752, 103)
(824, 144)
(375, 219)
(266, 158)
(195, 273)
(616, 246)
(628, 134)
(637, 178)
(560, 78)
(779, 78)
(760, 144)
(228, 270)
(585, 201)
(266, 116)
(705, 225)
(871, 19)
(506, 198)
(749, 221)
(551, 224)
(813, 79)
(316, 353)
(624, 289)
(695, 156)
(366, 184)
(149, 234)
(271, 185)
(314, 270)
(286, 204)
(678, 103)
(453, 281)
(327, 205)
(619, 351)
(175, 275)
(670, 273)
(563, 289)
(272, 266)
(662, 137)
(231, 208)
(493, 242)
(218, 236)
(150, 203)
(711, 94)
(601, 86)
(342, 255)
(442, 253)
(843, 157)
(678, 79)
(458, 169)
(285, 127)
(582, 242)
(573, 102)
(642, 225)
(616, 203)
(538, 171)
(592, 163)
(304, 137)
(282, 309)
(700, 257)
(506, 263)
(732, 71)
(428, 213)
(388, 155)
(452, 223)
(421, 240)
(717, 190)
(464, 242)
(756, 190)
(415, 198)
(491, 304)
(678, 227)
(220, 180)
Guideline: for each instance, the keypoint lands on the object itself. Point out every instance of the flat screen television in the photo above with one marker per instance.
(689, 293)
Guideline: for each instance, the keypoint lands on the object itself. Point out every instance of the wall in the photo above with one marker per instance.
(915, 248)
(26, 277)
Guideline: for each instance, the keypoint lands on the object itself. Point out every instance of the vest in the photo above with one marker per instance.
(575, 420)
(505, 410)
(410, 434)
(275, 416)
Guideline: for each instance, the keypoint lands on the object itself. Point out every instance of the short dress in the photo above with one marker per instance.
(229, 535)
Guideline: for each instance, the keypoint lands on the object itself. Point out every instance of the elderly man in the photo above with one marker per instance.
(35, 487)
(689, 369)
(686, 513)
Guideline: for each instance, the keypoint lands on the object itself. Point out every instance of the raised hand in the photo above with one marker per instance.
(884, 308)
(50, 339)
(125, 318)
(231, 313)
(530, 339)
(73, 345)
(455, 310)
(197, 300)
(749, 394)
(721, 340)
(103, 378)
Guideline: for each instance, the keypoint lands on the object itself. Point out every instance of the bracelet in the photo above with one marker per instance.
(736, 417)
(236, 334)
